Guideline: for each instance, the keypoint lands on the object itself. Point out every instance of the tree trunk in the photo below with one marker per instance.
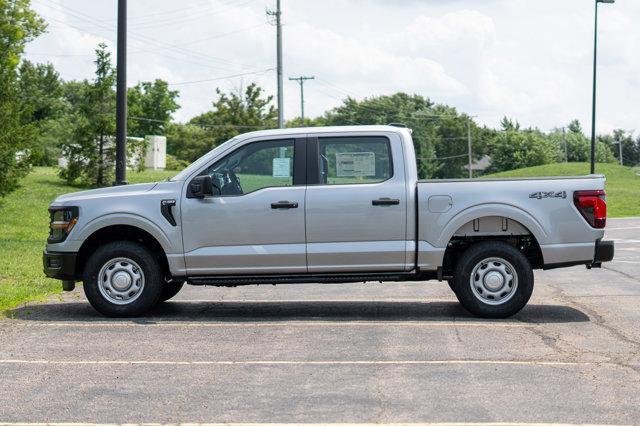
(100, 178)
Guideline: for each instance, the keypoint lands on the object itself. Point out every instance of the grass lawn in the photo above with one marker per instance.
(623, 183)
(24, 229)
(25, 220)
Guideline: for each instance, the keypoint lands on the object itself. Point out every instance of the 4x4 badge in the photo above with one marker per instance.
(551, 194)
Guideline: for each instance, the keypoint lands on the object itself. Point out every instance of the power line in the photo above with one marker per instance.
(142, 38)
(167, 12)
(183, 83)
(441, 158)
(204, 126)
(154, 23)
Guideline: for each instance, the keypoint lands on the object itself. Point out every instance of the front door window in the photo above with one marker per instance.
(253, 167)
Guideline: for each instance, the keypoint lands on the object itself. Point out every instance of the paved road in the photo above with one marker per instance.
(391, 352)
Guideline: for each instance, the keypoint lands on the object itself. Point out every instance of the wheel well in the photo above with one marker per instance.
(524, 241)
(114, 233)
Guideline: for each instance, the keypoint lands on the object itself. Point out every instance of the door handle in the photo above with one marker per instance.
(284, 205)
(385, 202)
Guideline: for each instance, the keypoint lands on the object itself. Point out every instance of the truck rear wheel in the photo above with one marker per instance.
(493, 280)
(122, 279)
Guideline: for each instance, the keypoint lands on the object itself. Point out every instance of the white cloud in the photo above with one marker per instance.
(524, 59)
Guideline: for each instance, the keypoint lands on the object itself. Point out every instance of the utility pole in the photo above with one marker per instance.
(121, 96)
(301, 81)
(620, 148)
(278, 15)
(595, 69)
(564, 142)
(469, 147)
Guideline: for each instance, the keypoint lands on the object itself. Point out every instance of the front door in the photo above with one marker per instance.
(256, 224)
(357, 208)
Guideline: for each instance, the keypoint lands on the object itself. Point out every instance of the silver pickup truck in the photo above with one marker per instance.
(323, 205)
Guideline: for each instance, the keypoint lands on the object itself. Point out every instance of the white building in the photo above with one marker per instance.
(156, 155)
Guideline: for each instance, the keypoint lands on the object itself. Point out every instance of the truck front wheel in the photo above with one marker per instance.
(169, 290)
(122, 279)
(493, 279)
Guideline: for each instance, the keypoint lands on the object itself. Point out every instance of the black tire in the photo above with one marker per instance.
(452, 285)
(517, 285)
(169, 290)
(146, 298)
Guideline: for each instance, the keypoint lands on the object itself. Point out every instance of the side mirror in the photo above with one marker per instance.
(202, 186)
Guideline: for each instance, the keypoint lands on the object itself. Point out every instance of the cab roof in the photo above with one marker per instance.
(316, 130)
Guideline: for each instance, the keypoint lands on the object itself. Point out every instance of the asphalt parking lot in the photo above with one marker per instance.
(383, 353)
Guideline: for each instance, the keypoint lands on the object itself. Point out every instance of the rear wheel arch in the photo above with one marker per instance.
(519, 237)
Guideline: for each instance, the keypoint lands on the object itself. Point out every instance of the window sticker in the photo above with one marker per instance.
(281, 167)
(354, 164)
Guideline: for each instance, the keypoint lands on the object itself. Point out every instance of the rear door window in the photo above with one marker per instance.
(354, 160)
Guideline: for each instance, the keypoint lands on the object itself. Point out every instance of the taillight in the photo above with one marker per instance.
(592, 205)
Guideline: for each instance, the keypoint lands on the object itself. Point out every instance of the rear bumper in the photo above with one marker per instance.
(593, 258)
(61, 266)
(604, 251)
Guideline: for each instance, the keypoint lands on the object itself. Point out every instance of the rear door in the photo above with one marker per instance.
(356, 204)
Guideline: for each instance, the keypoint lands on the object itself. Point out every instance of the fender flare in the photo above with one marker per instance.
(126, 219)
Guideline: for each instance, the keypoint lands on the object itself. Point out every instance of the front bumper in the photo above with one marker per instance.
(61, 266)
(604, 252)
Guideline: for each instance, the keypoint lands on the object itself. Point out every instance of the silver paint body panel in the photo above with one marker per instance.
(244, 235)
(346, 233)
(335, 229)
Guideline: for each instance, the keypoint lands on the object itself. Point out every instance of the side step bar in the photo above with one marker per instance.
(233, 281)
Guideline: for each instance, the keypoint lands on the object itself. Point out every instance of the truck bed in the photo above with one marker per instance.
(542, 207)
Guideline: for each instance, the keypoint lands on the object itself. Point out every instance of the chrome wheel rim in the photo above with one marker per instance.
(121, 281)
(494, 281)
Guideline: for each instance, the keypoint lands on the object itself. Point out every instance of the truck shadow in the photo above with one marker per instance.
(220, 311)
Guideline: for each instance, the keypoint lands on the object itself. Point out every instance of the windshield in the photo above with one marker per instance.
(200, 162)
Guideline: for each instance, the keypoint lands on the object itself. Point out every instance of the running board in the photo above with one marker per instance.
(235, 280)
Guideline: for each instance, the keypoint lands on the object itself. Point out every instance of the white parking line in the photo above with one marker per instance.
(310, 424)
(424, 301)
(268, 301)
(625, 261)
(414, 324)
(302, 362)
(625, 241)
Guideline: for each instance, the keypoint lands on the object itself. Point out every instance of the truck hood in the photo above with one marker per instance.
(114, 191)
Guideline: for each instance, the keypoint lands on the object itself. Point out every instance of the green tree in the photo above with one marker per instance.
(579, 146)
(630, 147)
(188, 142)
(44, 107)
(508, 124)
(515, 149)
(150, 107)
(19, 24)
(439, 131)
(232, 114)
(90, 153)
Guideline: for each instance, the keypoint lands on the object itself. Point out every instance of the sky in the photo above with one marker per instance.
(530, 60)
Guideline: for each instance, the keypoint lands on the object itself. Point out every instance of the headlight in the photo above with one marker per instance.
(63, 219)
